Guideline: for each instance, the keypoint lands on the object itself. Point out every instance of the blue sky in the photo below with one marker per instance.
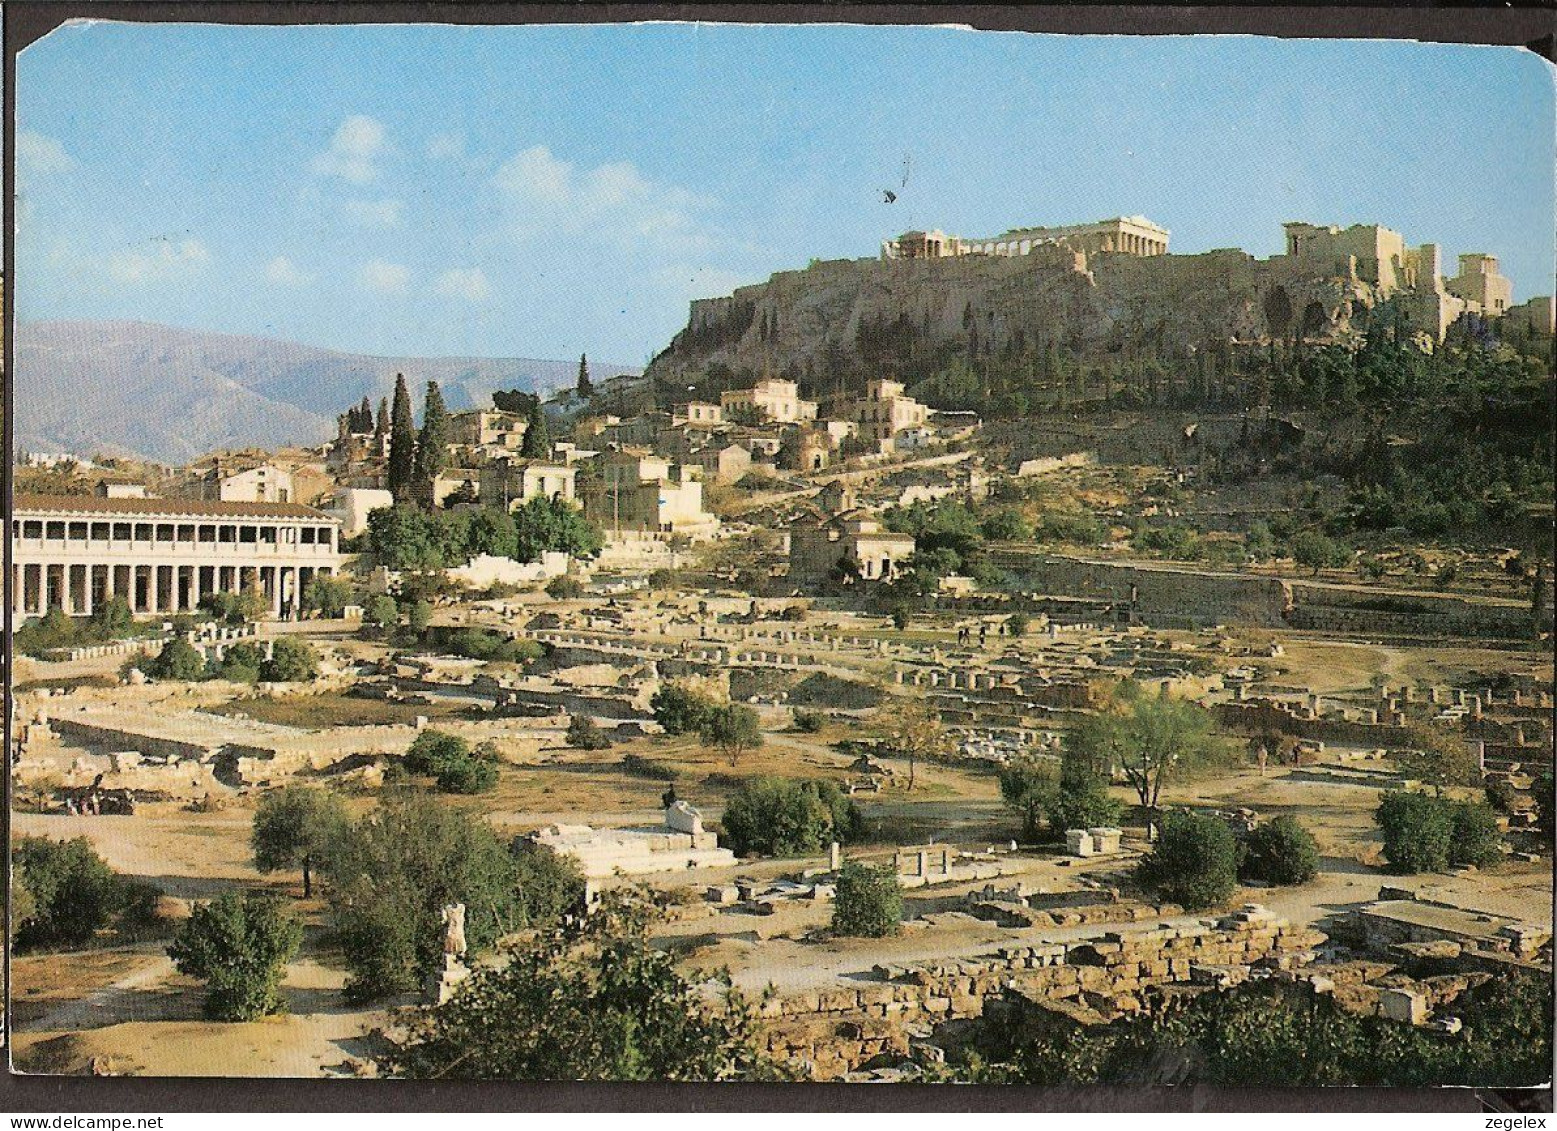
(541, 192)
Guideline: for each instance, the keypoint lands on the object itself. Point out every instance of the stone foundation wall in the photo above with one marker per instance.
(834, 1030)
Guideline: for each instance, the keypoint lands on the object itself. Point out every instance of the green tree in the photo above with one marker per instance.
(553, 524)
(681, 709)
(294, 827)
(586, 387)
(1016, 624)
(547, 884)
(564, 588)
(1474, 837)
(327, 595)
(585, 734)
(867, 901)
(474, 773)
(1436, 757)
(239, 945)
(113, 619)
(1151, 739)
(381, 611)
(74, 892)
(1081, 800)
(21, 906)
(432, 750)
(1313, 550)
(771, 816)
(292, 660)
(389, 878)
(589, 1000)
(418, 617)
(537, 440)
(1006, 525)
(491, 531)
(402, 537)
(1028, 784)
(1280, 852)
(179, 660)
(241, 663)
(914, 731)
(1418, 831)
(432, 445)
(1194, 862)
(734, 728)
(401, 468)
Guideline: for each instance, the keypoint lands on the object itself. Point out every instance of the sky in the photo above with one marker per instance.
(547, 191)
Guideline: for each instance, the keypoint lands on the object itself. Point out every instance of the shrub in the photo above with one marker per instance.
(1027, 785)
(593, 1000)
(178, 660)
(809, 722)
(327, 595)
(564, 588)
(681, 709)
(241, 663)
(1194, 862)
(468, 775)
(291, 661)
(1016, 624)
(74, 892)
(239, 945)
(1418, 831)
(549, 885)
(770, 816)
(868, 901)
(640, 767)
(433, 749)
(585, 734)
(1474, 837)
(1281, 852)
(1081, 802)
(381, 611)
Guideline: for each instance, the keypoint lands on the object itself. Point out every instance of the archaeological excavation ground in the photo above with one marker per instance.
(1092, 654)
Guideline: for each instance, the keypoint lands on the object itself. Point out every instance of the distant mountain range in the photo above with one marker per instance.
(161, 393)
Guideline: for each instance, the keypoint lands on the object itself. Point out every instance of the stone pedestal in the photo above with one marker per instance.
(441, 986)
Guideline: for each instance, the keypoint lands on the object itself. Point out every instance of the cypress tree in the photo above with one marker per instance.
(381, 425)
(586, 387)
(431, 445)
(537, 443)
(402, 444)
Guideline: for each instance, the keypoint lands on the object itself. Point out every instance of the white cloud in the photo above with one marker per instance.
(168, 260)
(374, 213)
(613, 201)
(284, 273)
(354, 151)
(384, 277)
(41, 154)
(446, 147)
(469, 283)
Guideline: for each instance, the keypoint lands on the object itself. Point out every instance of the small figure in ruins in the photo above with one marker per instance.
(668, 798)
(454, 929)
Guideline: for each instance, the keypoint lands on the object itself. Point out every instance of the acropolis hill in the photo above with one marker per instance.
(1090, 289)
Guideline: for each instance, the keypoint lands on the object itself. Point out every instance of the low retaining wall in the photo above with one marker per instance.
(832, 1031)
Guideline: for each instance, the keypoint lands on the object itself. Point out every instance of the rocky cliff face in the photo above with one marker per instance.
(1086, 305)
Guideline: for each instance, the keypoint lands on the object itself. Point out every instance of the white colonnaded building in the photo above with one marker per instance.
(74, 553)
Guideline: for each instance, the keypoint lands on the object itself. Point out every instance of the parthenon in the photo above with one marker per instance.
(163, 555)
(1130, 235)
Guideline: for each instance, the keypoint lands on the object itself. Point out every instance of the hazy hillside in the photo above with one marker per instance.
(170, 394)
